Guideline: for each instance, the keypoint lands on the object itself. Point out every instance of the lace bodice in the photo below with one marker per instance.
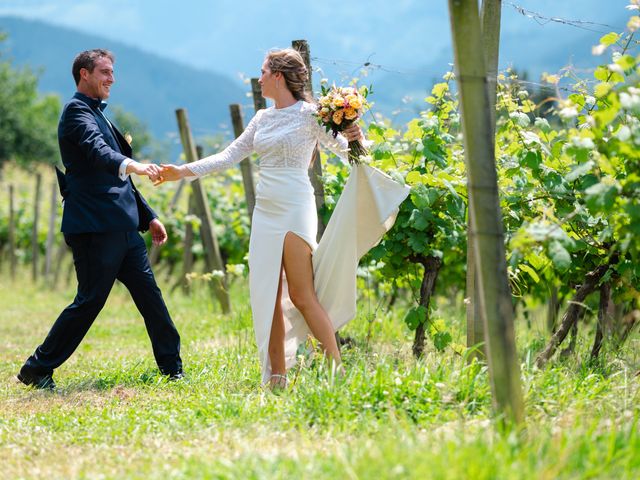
(282, 137)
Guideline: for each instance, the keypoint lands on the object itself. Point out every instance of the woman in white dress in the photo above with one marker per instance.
(284, 302)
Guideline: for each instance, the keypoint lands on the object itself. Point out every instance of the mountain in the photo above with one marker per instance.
(147, 85)
(413, 50)
(401, 94)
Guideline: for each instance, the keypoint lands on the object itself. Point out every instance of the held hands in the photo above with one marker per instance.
(158, 232)
(171, 173)
(151, 170)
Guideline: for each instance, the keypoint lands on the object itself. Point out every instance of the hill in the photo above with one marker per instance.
(147, 85)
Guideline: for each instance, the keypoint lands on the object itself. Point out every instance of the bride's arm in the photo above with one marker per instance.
(239, 149)
(339, 145)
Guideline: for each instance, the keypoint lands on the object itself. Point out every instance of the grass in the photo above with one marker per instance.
(114, 416)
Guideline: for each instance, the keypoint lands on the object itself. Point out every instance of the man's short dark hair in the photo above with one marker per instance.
(87, 59)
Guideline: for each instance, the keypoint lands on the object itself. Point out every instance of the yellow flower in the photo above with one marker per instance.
(354, 101)
(324, 110)
(350, 113)
(337, 116)
(325, 101)
(338, 101)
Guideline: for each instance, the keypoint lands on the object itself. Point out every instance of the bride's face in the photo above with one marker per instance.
(267, 81)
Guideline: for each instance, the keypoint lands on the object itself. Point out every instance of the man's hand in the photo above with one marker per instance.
(158, 232)
(151, 170)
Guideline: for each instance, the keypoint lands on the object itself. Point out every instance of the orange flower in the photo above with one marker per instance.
(350, 113)
(354, 101)
(337, 116)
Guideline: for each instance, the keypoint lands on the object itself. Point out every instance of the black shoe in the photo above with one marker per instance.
(44, 382)
(179, 375)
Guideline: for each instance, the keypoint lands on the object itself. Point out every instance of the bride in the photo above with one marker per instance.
(296, 285)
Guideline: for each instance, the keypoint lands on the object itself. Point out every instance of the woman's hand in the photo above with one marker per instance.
(171, 173)
(353, 132)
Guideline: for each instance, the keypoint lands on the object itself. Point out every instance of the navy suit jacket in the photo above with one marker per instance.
(95, 198)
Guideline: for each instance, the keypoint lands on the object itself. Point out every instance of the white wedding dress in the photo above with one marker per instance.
(284, 140)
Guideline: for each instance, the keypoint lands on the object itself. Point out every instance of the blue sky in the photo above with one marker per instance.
(231, 36)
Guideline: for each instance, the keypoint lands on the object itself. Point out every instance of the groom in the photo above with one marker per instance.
(102, 213)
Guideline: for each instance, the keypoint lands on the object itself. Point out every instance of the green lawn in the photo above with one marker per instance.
(114, 416)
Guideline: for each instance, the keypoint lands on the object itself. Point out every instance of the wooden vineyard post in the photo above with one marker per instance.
(12, 234)
(493, 290)
(491, 10)
(53, 213)
(187, 252)
(245, 165)
(209, 240)
(155, 249)
(34, 233)
(315, 172)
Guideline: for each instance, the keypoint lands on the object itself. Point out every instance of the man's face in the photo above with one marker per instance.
(98, 83)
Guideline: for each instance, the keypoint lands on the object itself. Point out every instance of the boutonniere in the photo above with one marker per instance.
(128, 137)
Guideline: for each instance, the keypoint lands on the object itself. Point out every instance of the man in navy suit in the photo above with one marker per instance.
(102, 214)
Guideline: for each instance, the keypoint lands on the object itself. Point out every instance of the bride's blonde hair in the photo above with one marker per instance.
(289, 62)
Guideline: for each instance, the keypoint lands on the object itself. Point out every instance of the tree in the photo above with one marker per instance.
(136, 132)
(28, 121)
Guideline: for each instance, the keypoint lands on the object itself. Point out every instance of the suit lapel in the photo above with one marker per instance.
(125, 148)
(115, 139)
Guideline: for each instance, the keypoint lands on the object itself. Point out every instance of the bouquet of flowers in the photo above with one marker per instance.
(338, 108)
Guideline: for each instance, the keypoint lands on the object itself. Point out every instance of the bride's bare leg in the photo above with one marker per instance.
(276, 342)
(299, 271)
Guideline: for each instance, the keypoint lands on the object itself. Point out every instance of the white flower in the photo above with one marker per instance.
(589, 100)
(237, 269)
(569, 112)
(217, 274)
(624, 133)
(430, 122)
(530, 138)
(615, 68)
(542, 124)
(630, 102)
(519, 118)
(583, 142)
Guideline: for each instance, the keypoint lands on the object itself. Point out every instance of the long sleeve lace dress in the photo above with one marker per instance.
(284, 140)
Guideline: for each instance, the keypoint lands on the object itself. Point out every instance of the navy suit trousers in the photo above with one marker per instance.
(100, 259)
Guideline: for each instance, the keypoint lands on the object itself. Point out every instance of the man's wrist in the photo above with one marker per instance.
(124, 170)
(132, 166)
